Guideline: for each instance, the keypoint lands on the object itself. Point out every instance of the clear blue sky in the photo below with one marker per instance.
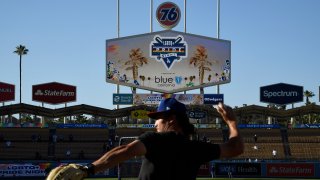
(273, 41)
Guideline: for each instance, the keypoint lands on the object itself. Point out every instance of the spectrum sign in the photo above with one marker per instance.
(281, 94)
(54, 93)
(6, 92)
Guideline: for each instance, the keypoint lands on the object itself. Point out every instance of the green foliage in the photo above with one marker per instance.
(308, 95)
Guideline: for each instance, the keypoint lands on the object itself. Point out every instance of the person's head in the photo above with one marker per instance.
(171, 115)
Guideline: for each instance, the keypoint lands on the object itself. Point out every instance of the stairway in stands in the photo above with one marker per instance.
(285, 141)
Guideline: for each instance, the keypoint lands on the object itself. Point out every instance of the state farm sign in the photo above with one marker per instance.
(290, 170)
(54, 93)
(6, 92)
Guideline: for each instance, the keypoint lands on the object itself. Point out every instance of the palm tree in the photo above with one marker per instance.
(136, 60)
(21, 50)
(308, 94)
(199, 59)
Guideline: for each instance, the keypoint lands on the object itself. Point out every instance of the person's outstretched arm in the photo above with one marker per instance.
(234, 146)
(118, 155)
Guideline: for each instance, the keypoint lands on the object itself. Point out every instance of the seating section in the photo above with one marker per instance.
(91, 150)
(213, 135)
(24, 151)
(36, 143)
(263, 151)
(83, 134)
(24, 134)
(24, 143)
(128, 132)
(263, 135)
(304, 151)
(304, 144)
(267, 141)
(304, 135)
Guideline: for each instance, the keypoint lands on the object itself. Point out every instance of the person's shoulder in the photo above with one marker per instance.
(147, 134)
(158, 135)
(172, 135)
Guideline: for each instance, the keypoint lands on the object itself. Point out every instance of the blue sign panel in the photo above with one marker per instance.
(240, 169)
(281, 94)
(212, 99)
(82, 126)
(312, 126)
(197, 114)
(122, 99)
(148, 126)
(259, 126)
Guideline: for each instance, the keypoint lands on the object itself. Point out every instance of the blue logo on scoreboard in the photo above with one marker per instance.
(168, 49)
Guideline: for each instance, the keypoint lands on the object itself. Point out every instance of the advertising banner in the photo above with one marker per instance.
(122, 99)
(54, 93)
(197, 114)
(168, 61)
(192, 99)
(281, 94)
(204, 126)
(147, 126)
(7, 92)
(23, 125)
(307, 126)
(147, 99)
(259, 126)
(240, 169)
(16, 170)
(154, 99)
(82, 126)
(168, 15)
(290, 170)
(212, 99)
(139, 114)
(210, 126)
(39, 170)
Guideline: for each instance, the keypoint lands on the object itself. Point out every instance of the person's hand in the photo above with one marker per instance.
(226, 112)
(68, 172)
(234, 146)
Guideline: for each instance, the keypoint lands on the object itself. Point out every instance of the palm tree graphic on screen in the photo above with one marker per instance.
(136, 60)
(200, 60)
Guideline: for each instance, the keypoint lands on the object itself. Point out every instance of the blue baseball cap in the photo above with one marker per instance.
(167, 107)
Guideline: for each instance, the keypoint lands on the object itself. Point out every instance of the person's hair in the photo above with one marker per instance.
(183, 121)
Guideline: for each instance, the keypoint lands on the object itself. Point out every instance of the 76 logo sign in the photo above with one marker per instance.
(168, 15)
